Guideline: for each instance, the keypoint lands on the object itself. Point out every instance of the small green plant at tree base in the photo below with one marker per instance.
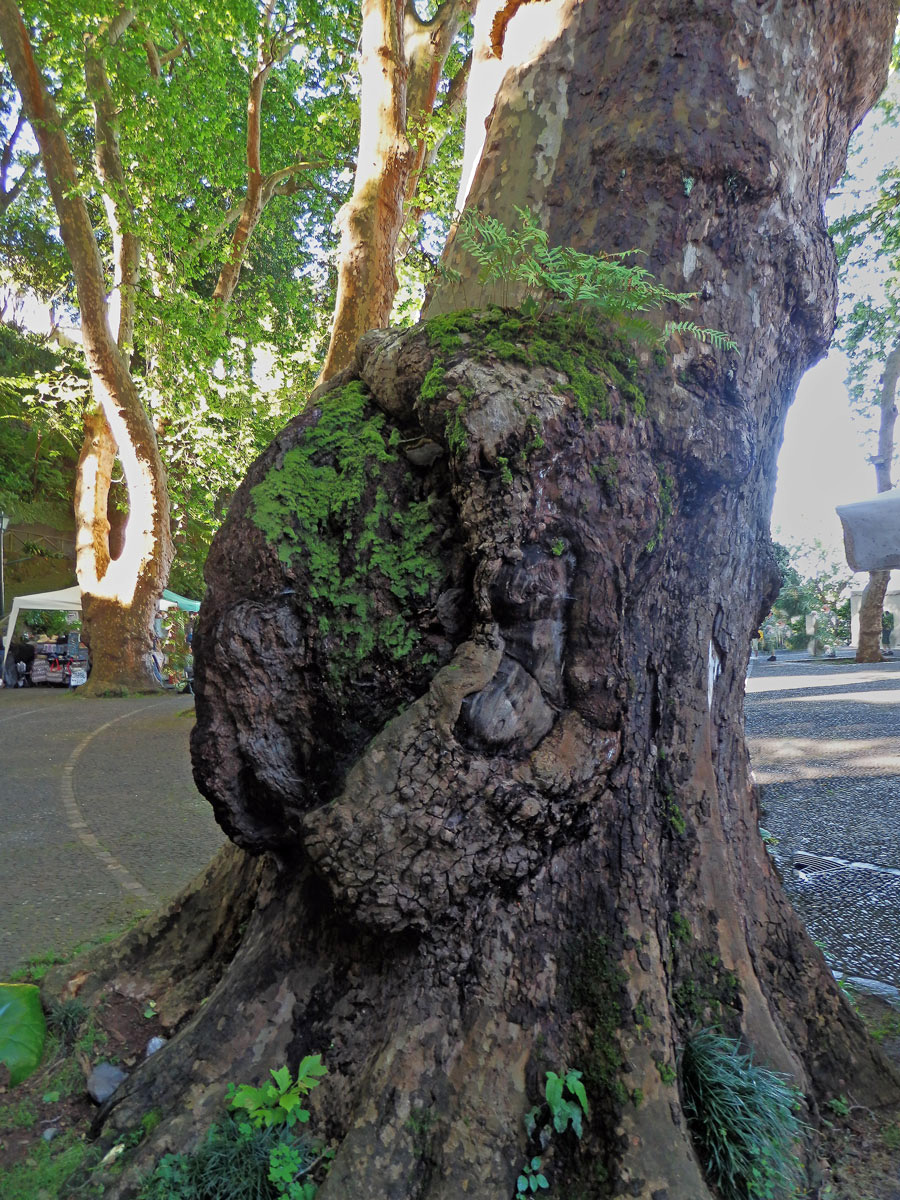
(566, 1110)
(560, 278)
(743, 1119)
(506, 475)
(235, 1161)
(280, 1102)
(532, 1179)
(66, 1017)
(679, 928)
(255, 1152)
(565, 1104)
(675, 816)
(840, 1106)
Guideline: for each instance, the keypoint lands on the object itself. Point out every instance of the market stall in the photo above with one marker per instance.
(63, 661)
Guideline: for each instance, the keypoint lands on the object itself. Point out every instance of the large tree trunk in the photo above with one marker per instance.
(872, 605)
(493, 749)
(119, 595)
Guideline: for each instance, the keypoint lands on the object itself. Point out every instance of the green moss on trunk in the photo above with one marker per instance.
(326, 509)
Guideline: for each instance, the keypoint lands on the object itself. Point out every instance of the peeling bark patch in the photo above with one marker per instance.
(713, 671)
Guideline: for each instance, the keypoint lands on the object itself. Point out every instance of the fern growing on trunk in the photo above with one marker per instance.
(542, 278)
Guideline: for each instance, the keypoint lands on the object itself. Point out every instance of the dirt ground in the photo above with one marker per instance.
(862, 1147)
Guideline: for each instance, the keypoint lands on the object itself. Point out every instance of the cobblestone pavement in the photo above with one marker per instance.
(824, 740)
(99, 815)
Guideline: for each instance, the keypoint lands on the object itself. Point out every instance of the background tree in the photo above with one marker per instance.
(868, 243)
(823, 589)
(170, 226)
(119, 596)
(401, 63)
(239, 130)
(492, 786)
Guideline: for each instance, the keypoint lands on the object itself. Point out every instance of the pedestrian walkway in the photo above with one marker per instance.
(824, 739)
(100, 816)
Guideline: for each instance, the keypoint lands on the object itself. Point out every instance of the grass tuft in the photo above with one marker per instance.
(232, 1163)
(743, 1118)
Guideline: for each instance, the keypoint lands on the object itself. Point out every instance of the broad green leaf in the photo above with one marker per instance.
(22, 1029)
(311, 1066)
(575, 1118)
(554, 1090)
(282, 1077)
(576, 1087)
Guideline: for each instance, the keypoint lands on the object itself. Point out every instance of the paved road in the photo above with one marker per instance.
(99, 816)
(825, 744)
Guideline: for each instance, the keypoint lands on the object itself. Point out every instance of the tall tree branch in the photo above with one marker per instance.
(401, 61)
(269, 50)
(427, 44)
(158, 61)
(120, 210)
(277, 183)
(8, 195)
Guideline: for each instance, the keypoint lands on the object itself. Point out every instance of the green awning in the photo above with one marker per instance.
(182, 601)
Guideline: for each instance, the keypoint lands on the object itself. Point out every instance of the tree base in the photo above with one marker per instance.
(549, 858)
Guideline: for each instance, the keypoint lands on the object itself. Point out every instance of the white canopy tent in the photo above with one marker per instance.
(65, 600)
(69, 600)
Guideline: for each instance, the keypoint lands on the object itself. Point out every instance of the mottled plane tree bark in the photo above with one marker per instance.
(871, 605)
(477, 719)
(402, 59)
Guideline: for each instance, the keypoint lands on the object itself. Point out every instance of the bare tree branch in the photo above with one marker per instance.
(8, 195)
(156, 60)
(268, 52)
(427, 45)
(176, 52)
(278, 183)
(153, 58)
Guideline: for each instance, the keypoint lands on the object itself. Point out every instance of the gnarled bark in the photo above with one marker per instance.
(529, 837)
